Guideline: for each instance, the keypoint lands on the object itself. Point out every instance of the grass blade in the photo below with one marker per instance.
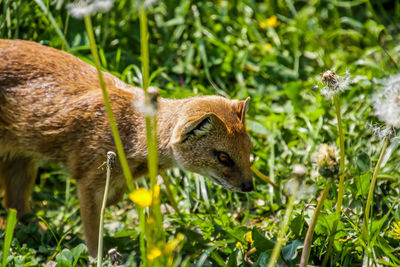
(53, 22)
(11, 221)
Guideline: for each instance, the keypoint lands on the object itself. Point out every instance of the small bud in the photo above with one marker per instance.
(299, 171)
(326, 161)
(111, 159)
(115, 257)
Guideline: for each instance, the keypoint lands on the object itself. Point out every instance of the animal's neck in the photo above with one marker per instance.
(167, 117)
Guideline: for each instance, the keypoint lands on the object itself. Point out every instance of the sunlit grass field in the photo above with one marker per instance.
(278, 53)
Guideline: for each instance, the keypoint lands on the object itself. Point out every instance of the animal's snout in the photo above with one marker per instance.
(247, 186)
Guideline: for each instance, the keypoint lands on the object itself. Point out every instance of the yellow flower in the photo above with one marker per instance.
(268, 46)
(249, 237)
(269, 22)
(396, 230)
(154, 253)
(141, 197)
(263, 24)
(272, 21)
(239, 245)
(173, 244)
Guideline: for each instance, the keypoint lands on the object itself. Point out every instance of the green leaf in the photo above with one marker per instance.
(374, 28)
(77, 252)
(260, 242)
(363, 162)
(290, 250)
(65, 258)
(363, 181)
(262, 260)
(257, 128)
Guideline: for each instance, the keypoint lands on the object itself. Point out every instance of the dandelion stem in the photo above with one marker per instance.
(341, 180)
(307, 242)
(142, 226)
(110, 159)
(263, 177)
(281, 235)
(364, 233)
(155, 232)
(113, 124)
(341, 143)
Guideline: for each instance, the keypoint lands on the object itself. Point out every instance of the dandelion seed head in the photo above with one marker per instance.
(148, 110)
(299, 189)
(379, 131)
(334, 83)
(387, 102)
(81, 8)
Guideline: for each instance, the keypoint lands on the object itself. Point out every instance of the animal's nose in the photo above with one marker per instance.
(247, 186)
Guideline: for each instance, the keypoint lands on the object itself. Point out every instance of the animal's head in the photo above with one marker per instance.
(210, 138)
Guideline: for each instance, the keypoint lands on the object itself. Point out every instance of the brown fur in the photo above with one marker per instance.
(51, 106)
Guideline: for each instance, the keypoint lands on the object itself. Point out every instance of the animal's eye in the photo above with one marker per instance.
(224, 159)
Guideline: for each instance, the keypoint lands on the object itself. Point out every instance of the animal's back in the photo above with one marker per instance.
(49, 99)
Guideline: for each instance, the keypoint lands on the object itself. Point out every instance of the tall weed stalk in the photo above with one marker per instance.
(113, 124)
(341, 180)
(281, 235)
(310, 232)
(369, 204)
(154, 229)
(110, 162)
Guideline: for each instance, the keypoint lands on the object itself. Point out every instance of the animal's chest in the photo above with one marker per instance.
(116, 190)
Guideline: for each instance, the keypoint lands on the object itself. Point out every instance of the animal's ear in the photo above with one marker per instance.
(194, 127)
(242, 108)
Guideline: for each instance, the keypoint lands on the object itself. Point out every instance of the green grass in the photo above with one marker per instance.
(219, 47)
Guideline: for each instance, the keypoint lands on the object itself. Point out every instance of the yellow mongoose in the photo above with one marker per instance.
(51, 106)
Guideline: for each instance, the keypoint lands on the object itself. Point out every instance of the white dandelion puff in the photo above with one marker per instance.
(334, 83)
(380, 132)
(299, 189)
(387, 101)
(149, 3)
(297, 186)
(81, 8)
(149, 109)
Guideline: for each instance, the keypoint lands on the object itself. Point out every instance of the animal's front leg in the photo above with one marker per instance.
(90, 202)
